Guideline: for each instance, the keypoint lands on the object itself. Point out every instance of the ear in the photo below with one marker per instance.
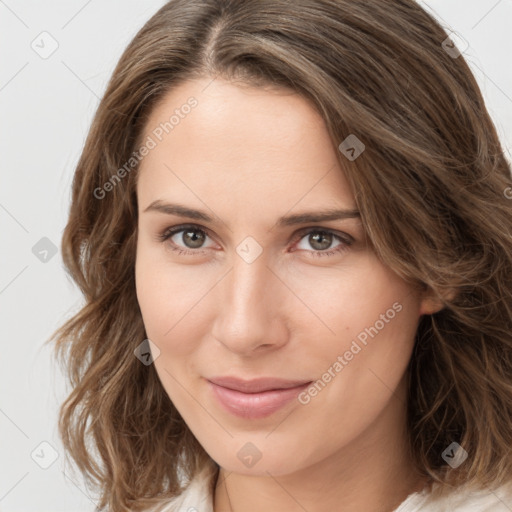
(431, 303)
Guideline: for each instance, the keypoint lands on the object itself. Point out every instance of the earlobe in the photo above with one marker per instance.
(431, 304)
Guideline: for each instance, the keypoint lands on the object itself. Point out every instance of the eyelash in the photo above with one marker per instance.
(346, 241)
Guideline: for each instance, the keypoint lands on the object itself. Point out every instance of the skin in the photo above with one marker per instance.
(248, 156)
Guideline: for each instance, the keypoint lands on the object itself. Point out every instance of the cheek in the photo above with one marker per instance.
(360, 371)
(382, 310)
(157, 288)
(339, 303)
(150, 296)
(372, 316)
(169, 300)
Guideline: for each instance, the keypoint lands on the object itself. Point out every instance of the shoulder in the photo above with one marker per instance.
(196, 497)
(461, 500)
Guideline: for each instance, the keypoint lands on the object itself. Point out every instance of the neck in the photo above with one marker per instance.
(374, 472)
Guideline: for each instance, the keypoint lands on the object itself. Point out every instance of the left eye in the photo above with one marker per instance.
(322, 242)
(194, 237)
(322, 239)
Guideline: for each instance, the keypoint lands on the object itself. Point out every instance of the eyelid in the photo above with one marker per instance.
(173, 230)
(345, 237)
(301, 231)
(168, 232)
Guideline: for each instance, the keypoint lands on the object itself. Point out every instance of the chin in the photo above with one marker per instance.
(260, 455)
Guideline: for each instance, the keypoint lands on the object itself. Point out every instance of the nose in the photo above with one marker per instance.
(250, 308)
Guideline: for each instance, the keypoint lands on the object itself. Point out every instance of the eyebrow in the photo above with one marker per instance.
(287, 220)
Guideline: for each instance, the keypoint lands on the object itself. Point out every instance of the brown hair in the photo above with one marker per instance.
(429, 185)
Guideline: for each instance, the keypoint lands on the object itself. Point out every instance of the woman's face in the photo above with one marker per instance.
(253, 286)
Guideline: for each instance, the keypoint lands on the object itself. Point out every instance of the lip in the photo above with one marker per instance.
(258, 398)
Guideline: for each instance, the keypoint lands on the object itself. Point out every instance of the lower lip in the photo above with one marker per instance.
(255, 405)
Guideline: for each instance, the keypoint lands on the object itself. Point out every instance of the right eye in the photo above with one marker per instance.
(192, 235)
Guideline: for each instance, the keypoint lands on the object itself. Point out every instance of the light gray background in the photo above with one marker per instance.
(46, 106)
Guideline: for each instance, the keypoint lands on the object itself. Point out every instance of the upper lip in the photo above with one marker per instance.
(256, 385)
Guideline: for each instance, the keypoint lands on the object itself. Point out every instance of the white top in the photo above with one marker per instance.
(198, 498)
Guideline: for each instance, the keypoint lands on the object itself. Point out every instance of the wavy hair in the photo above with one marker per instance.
(431, 186)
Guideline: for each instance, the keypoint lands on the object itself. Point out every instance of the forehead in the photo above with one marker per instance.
(252, 147)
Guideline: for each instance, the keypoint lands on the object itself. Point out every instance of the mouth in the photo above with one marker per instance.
(256, 398)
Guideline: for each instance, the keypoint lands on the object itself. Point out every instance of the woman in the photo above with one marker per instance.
(291, 228)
